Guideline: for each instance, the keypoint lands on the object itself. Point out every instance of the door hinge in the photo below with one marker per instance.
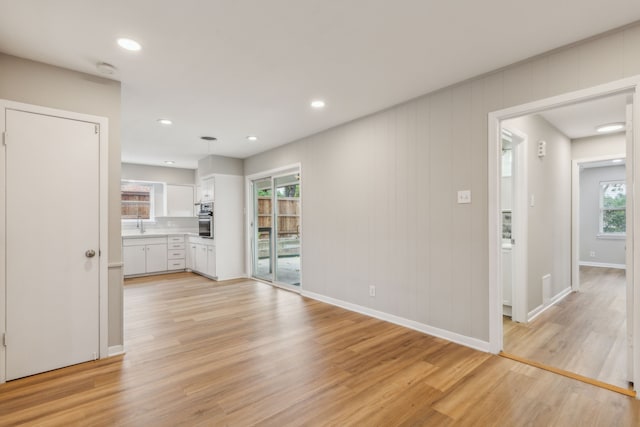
(97, 127)
(4, 339)
(4, 138)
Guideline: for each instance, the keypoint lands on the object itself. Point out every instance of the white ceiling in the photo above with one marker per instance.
(231, 68)
(580, 120)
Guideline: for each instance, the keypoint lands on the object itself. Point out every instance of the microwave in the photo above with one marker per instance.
(205, 220)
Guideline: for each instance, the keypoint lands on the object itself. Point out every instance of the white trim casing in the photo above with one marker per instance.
(3, 243)
(495, 280)
(542, 308)
(495, 234)
(411, 324)
(633, 238)
(103, 126)
(115, 350)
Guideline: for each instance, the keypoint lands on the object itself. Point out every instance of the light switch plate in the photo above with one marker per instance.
(464, 196)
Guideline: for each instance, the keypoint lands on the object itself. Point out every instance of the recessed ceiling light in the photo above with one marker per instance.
(318, 103)
(105, 68)
(169, 162)
(252, 138)
(209, 138)
(610, 127)
(129, 44)
(165, 121)
(616, 160)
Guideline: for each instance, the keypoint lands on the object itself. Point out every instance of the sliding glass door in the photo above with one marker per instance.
(263, 229)
(287, 240)
(276, 229)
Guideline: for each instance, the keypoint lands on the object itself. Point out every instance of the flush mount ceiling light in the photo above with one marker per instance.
(318, 103)
(129, 44)
(252, 138)
(105, 68)
(165, 122)
(208, 138)
(610, 127)
(169, 162)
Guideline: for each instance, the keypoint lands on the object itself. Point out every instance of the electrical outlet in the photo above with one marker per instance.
(372, 291)
(592, 254)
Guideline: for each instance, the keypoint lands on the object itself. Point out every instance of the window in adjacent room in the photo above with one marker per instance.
(613, 204)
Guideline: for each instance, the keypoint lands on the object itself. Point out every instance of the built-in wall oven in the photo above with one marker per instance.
(205, 220)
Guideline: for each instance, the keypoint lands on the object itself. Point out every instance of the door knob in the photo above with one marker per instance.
(90, 253)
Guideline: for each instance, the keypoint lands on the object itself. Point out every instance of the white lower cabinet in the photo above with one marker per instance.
(144, 255)
(156, 258)
(176, 253)
(201, 256)
(211, 261)
(135, 260)
(191, 255)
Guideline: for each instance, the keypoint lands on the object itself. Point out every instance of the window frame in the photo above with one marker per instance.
(152, 201)
(602, 209)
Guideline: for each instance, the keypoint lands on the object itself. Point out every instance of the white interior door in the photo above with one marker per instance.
(52, 225)
(515, 245)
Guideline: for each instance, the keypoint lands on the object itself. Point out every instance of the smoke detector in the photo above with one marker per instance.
(105, 68)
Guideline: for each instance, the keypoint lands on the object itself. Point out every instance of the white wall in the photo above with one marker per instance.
(597, 146)
(379, 193)
(159, 174)
(607, 250)
(549, 220)
(40, 84)
(219, 164)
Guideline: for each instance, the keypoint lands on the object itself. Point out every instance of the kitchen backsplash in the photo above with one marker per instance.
(164, 224)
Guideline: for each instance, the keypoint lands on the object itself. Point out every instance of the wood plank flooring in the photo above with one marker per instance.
(584, 333)
(243, 353)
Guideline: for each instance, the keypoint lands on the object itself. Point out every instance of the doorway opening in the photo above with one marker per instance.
(542, 313)
(276, 228)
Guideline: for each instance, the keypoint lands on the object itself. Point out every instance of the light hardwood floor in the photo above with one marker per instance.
(243, 353)
(584, 333)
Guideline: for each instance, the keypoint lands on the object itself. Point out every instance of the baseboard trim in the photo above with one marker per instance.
(602, 264)
(401, 321)
(542, 308)
(115, 350)
(232, 277)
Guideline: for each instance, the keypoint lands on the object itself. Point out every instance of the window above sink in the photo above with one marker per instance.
(141, 200)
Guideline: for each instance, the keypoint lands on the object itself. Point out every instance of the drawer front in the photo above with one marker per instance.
(175, 264)
(175, 254)
(176, 245)
(176, 239)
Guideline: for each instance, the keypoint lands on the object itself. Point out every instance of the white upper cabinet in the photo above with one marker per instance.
(180, 200)
(207, 189)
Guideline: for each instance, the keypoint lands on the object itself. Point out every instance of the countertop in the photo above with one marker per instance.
(137, 235)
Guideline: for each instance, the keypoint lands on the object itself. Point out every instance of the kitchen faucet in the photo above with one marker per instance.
(140, 224)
